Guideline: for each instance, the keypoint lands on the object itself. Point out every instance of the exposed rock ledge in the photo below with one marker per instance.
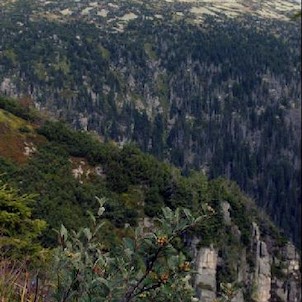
(272, 273)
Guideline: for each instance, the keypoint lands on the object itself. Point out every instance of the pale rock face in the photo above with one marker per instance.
(29, 149)
(288, 290)
(238, 297)
(106, 89)
(84, 123)
(264, 286)
(280, 291)
(256, 232)
(262, 276)
(268, 287)
(99, 171)
(78, 172)
(292, 259)
(8, 87)
(226, 212)
(205, 280)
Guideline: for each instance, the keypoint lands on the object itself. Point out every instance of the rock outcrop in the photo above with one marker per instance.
(205, 281)
(262, 275)
(267, 271)
(287, 280)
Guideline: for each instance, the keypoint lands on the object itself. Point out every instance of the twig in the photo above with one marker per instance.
(131, 292)
(24, 287)
(146, 289)
(70, 286)
(36, 289)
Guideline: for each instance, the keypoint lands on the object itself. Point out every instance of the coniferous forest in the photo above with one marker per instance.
(150, 151)
(223, 96)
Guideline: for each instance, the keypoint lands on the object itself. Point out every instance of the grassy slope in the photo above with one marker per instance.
(135, 184)
(16, 136)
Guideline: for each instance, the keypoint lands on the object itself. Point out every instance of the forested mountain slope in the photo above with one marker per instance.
(202, 86)
(66, 169)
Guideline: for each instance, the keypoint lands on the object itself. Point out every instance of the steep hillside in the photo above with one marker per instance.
(67, 169)
(221, 79)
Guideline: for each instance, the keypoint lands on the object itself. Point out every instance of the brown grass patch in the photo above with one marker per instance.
(15, 134)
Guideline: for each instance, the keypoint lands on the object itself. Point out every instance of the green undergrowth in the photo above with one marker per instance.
(69, 169)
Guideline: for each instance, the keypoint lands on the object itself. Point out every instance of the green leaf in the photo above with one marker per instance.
(167, 213)
(188, 214)
(92, 217)
(101, 207)
(99, 226)
(177, 215)
(101, 211)
(129, 243)
(63, 233)
(87, 233)
(103, 281)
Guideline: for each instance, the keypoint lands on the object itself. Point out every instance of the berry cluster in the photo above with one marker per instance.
(162, 240)
(185, 267)
(164, 278)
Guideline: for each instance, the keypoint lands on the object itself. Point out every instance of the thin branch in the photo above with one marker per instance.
(36, 289)
(131, 292)
(70, 286)
(146, 289)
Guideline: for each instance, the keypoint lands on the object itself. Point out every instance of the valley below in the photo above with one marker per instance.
(170, 103)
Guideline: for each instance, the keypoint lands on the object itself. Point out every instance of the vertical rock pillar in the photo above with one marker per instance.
(205, 280)
(262, 275)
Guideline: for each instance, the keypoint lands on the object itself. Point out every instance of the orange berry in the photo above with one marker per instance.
(185, 266)
(162, 240)
(98, 270)
(164, 278)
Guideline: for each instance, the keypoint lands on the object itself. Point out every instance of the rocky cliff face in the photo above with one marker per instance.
(286, 285)
(205, 281)
(262, 276)
(264, 271)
